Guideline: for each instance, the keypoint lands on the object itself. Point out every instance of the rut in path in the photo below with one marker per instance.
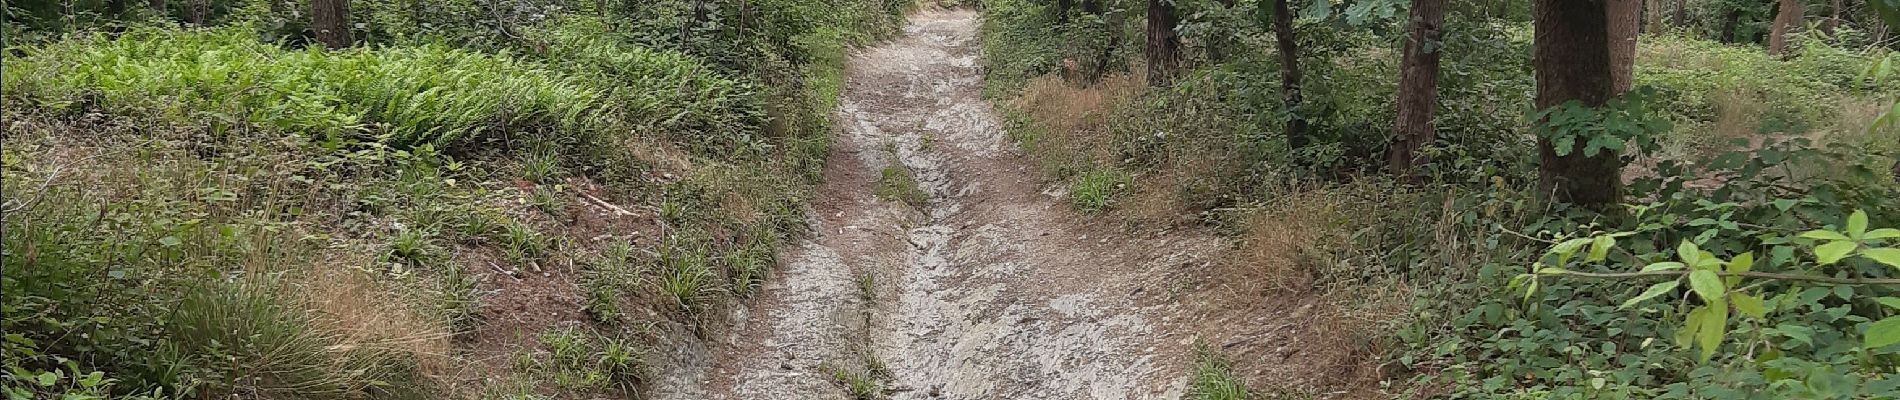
(994, 290)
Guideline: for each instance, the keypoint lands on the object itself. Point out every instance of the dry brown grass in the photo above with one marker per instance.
(364, 314)
(1074, 119)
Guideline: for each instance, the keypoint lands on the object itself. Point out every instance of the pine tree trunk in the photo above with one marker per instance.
(1418, 89)
(1571, 54)
(1289, 74)
(1623, 16)
(1164, 45)
(1786, 17)
(331, 20)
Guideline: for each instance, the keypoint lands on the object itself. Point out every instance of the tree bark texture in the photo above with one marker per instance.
(1164, 45)
(1418, 88)
(1786, 17)
(331, 20)
(1290, 78)
(1623, 17)
(1571, 55)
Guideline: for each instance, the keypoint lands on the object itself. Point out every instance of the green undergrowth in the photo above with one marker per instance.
(1432, 276)
(194, 213)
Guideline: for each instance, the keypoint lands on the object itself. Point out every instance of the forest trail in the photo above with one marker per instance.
(994, 289)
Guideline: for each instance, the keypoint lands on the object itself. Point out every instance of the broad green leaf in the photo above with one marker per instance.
(1890, 302)
(1690, 324)
(1708, 286)
(1600, 248)
(1688, 253)
(1748, 305)
(1568, 248)
(1883, 233)
(1823, 234)
(1857, 224)
(1741, 263)
(1653, 291)
(1833, 251)
(1883, 333)
(1710, 331)
(1885, 255)
(1663, 266)
(46, 379)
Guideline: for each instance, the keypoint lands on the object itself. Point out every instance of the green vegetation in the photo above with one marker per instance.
(896, 183)
(1737, 262)
(1095, 191)
(1213, 378)
(224, 209)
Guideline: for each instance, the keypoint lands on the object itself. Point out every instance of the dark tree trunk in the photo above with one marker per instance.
(1571, 54)
(1730, 24)
(1786, 17)
(197, 12)
(1623, 16)
(1164, 45)
(1289, 74)
(331, 20)
(1682, 13)
(1834, 19)
(1418, 89)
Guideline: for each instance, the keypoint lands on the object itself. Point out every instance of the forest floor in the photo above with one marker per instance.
(987, 285)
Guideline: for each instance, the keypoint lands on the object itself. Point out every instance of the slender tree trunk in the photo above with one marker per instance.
(1418, 89)
(1290, 77)
(1786, 17)
(1834, 19)
(1623, 16)
(1571, 54)
(1164, 45)
(1682, 13)
(1729, 25)
(197, 11)
(331, 20)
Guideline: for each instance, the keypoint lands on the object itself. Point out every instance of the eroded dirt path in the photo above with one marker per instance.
(994, 290)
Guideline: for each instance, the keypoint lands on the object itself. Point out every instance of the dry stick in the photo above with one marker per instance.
(1751, 274)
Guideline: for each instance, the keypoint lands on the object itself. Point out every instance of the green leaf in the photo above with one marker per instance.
(1748, 305)
(1883, 333)
(1710, 331)
(1741, 263)
(1664, 266)
(1890, 302)
(1688, 253)
(1883, 233)
(1568, 248)
(1823, 234)
(1857, 224)
(1653, 291)
(1708, 286)
(1600, 248)
(46, 379)
(1833, 251)
(1884, 255)
(1685, 336)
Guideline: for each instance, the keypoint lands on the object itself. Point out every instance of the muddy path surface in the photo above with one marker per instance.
(993, 288)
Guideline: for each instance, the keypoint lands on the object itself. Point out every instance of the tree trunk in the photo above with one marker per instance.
(1571, 54)
(1682, 13)
(1289, 74)
(1786, 17)
(157, 5)
(1164, 45)
(331, 20)
(197, 12)
(1729, 24)
(1834, 20)
(1623, 16)
(1418, 89)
